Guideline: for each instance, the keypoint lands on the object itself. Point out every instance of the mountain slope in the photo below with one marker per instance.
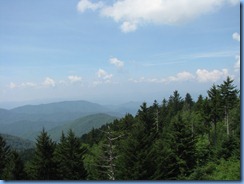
(26, 128)
(27, 121)
(17, 143)
(82, 125)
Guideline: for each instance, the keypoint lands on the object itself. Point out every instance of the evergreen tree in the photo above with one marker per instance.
(183, 147)
(43, 166)
(215, 108)
(4, 155)
(229, 98)
(175, 104)
(132, 161)
(14, 169)
(188, 102)
(69, 156)
(146, 118)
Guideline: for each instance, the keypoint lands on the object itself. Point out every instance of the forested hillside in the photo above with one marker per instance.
(27, 121)
(176, 139)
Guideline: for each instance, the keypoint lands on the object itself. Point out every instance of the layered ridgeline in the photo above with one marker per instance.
(26, 121)
(17, 143)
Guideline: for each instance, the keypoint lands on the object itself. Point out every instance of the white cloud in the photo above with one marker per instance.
(204, 75)
(182, 76)
(237, 64)
(28, 84)
(84, 5)
(116, 62)
(236, 36)
(104, 75)
(48, 82)
(133, 13)
(12, 85)
(128, 27)
(74, 79)
(104, 78)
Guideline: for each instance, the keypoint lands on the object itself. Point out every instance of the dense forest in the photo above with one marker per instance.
(177, 139)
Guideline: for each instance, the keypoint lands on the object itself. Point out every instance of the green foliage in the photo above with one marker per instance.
(4, 155)
(14, 169)
(69, 158)
(220, 170)
(43, 166)
(11, 165)
(82, 125)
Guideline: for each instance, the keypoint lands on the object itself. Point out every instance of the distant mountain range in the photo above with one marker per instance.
(81, 116)
(17, 143)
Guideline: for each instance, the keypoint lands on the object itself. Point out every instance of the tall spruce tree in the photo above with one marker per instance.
(215, 108)
(183, 147)
(43, 166)
(229, 96)
(69, 156)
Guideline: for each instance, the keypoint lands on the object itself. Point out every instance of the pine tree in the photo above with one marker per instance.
(133, 155)
(43, 166)
(14, 169)
(175, 104)
(69, 156)
(215, 108)
(229, 98)
(188, 102)
(183, 147)
(146, 117)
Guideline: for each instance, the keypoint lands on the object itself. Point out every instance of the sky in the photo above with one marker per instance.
(116, 51)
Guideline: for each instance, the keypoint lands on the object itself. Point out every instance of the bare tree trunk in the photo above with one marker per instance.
(111, 156)
(156, 120)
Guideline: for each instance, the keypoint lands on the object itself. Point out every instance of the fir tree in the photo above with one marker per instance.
(215, 108)
(69, 157)
(228, 98)
(43, 166)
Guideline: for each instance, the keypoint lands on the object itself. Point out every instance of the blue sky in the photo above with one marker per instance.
(116, 51)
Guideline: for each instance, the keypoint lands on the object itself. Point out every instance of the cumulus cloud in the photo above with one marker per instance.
(128, 27)
(116, 62)
(104, 75)
(204, 75)
(48, 82)
(182, 76)
(133, 13)
(236, 36)
(74, 79)
(84, 5)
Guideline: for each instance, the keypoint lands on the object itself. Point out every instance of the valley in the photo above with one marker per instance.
(81, 116)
